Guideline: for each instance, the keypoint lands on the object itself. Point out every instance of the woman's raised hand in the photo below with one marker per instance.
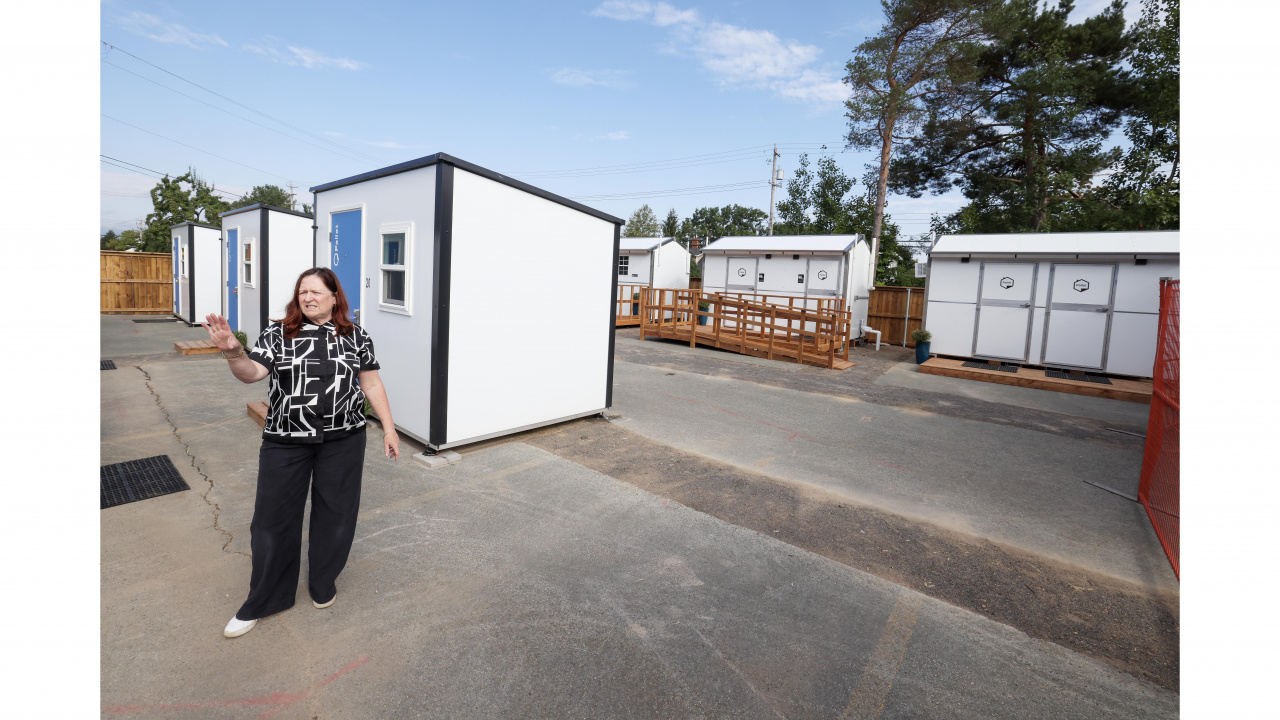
(220, 332)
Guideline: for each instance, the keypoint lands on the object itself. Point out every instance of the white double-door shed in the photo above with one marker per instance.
(490, 302)
(800, 266)
(1079, 301)
(197, 272)
(264, 249)
(653, 262)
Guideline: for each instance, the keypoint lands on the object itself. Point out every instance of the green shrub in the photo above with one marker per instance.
(244, 339)
(921, 335)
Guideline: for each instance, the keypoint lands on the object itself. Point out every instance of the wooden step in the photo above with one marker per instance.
(258, 411)
(196, 347)
(1138, 391)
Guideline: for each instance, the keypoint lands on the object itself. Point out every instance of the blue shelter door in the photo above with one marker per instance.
(344, 256)
(233, 297)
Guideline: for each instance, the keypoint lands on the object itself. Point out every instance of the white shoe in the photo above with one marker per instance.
(238, 627)
(325, 605)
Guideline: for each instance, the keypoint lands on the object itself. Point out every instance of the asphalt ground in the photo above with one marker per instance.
(520, 583)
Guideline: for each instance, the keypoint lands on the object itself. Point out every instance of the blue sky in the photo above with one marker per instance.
(557, 94)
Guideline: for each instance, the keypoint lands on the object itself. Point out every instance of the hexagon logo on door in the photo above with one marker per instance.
(822, 274)
(742, 272)
(1006, 282)
(1080, 285)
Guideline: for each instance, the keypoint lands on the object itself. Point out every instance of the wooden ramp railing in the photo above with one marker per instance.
(628, 307)
(748, 326)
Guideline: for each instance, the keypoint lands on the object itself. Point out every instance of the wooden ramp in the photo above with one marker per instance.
(1138, 391)
(627, 308)
(258, 411)
(750, 327)
(196, 347)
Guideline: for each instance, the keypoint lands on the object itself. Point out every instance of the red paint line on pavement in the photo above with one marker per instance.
(794, 434)
(895, 467)
(281, 700)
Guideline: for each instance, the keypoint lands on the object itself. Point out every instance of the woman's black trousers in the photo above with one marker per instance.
(331, 471)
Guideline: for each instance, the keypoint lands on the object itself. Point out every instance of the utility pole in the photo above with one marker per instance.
(291, 203)
(774, 181)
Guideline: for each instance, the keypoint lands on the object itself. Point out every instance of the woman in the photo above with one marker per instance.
(322, 369)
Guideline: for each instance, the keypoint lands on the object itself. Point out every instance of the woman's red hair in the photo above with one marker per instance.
(293, 317)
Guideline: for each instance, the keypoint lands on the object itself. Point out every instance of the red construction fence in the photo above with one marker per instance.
(1158, 489)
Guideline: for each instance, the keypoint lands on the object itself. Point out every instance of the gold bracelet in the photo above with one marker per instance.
(225, 356)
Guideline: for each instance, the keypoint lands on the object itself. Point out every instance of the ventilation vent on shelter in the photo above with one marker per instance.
(136, 480)
(989, 366)
(1081, 377)
(108, 365)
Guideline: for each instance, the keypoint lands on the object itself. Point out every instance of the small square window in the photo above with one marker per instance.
(247, 260)
(394, 280)
(624, 265)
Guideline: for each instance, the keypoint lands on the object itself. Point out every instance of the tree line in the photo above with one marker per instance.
(188, 197)
(1008, 102)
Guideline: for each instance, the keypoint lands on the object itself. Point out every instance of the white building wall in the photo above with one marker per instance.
(290, 253)
(498, 232)
(208, 242)
(671, 266)
(637, 270)
(401, 340)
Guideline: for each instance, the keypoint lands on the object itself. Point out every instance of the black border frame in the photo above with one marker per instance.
(613, 315)
(441, 276)
(191, 273)
(264, 268)
(257, 206)
(471, 168)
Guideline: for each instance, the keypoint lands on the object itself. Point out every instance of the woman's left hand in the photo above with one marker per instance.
(391, 444)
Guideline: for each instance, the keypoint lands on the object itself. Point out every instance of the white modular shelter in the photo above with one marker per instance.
(433, 254)
(801, 266)
(197, 273)
(653, 262)
(1076, 301)
(264, 249)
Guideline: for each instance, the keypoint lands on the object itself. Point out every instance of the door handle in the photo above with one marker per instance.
(1026, 304)
(1102, 309)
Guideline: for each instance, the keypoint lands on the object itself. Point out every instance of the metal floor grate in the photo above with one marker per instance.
(108, 364)
(136, 480)
(1082, 377)
(989, 366)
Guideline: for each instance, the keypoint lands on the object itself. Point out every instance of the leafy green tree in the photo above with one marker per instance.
(671, 225)
(822, 202)
(187, 197)
(127, 240)
(925, 52)
(1029, 138)
(643, 223)
(265, 195)
(1143, 190)
(712, 223)
(108, 238)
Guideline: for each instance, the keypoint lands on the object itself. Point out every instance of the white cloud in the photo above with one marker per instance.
(270, 47)
(737, 56)
(660, 14)
(582, 78)
(152, 27)
(618, 135)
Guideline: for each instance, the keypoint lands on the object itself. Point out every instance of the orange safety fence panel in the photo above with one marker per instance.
(1158, 488)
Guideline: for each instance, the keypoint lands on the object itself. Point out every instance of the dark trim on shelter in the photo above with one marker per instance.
(613, 315)
(197, 224)
(441, 285)
(315, 229)
(191, 272)
(263, 206)
(471, 168)
(264, 271)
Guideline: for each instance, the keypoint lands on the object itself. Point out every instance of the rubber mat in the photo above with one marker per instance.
(1082, 377)
(136, 480)
(989, 366)
(108, 364)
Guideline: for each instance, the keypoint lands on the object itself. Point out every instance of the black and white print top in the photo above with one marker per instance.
(315, 390)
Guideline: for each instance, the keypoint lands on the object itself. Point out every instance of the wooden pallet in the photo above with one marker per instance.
(1138, 391)
(196, 347)
(258, 411)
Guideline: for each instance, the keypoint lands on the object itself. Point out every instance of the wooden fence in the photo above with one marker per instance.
(135, 283)
(896, 312)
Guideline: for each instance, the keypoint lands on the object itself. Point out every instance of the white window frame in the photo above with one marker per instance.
(619, 270)
(251, 281)
(182, 256)
(407, 268)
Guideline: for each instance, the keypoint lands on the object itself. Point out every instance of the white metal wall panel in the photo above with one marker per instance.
(742, 274)
(713, 272)
(637, 272)
(1138, 286)
(953, 281)
(952, 328)
(291, 253)
(672, 268)
(823, 276)
(505, 375)
(1004, 315)
(401, 342)
(1079, 303)
(781, 273)
(1037, 332)
(1132, 348)
(250, 294)
(208, 242)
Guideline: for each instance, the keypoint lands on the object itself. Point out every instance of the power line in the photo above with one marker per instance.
(699, 190)
(108, 160)
(246, 107)
(241, 117)
(194, 147)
